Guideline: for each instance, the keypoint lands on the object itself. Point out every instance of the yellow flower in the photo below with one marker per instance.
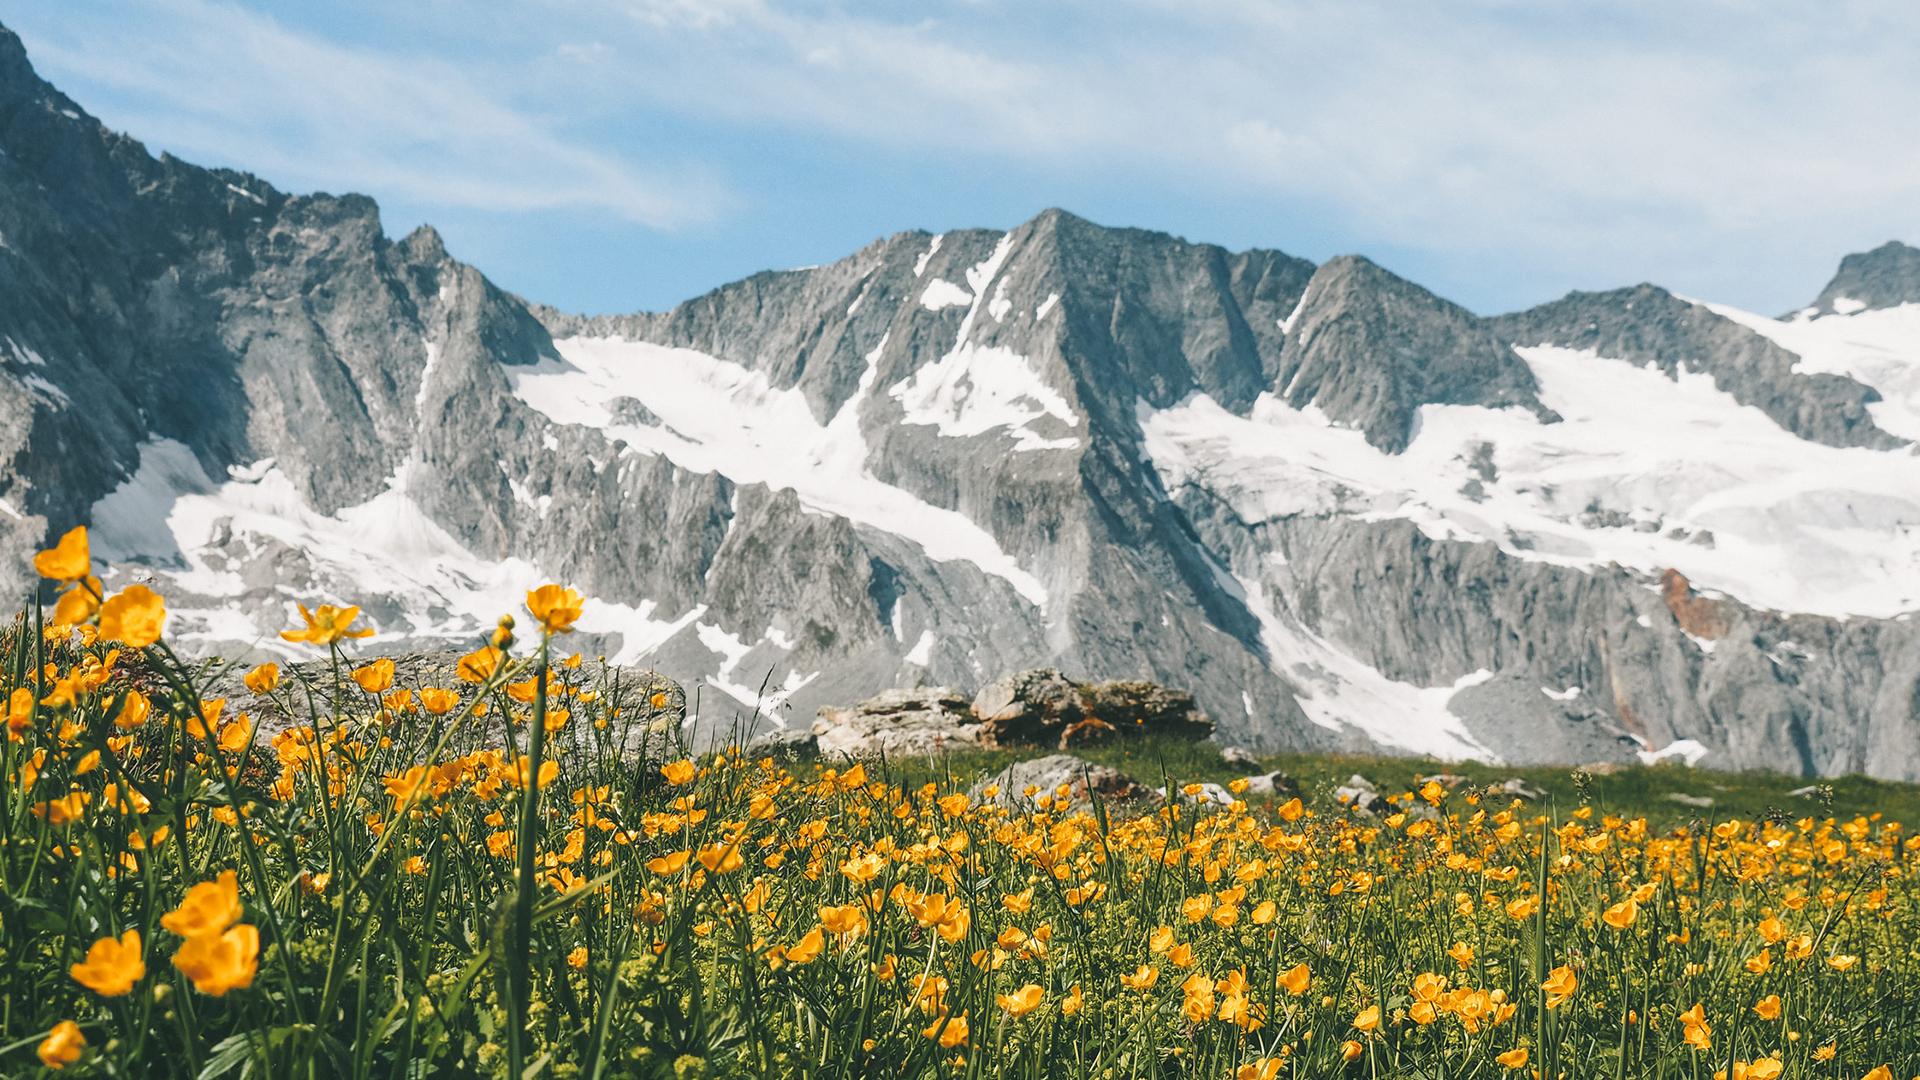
(1350, 1050)
(951, 1031)
(1161, 939)
(1296, 979)
(479, 665)
(678, 772)
(847, 919)
(1766, 1068)
(577, 959)
(438, 701)
(1523, 907)
(1842, 962)
(1264, 912)
(262, 679)
(134, 709)
(1071, 1004)
(1367, 1019)
(208, 908)
(1021, 1001)
(1462, 954)
(20, 706)
(1879, 1072)
(63, 1044)
(1768, 1007)
(220, 962)
(1515, 1058)
(556, 608)
(1771, 930)
(807, 948)
(668, 865)
(326, 625)
(1621, 915)
(78, 603)
(1698, 1034)
(68, 560)
(112, 967)
(1142, 978)
(376, 677)
(1761, 963)
(1825, 1053)
(133, 616)
(1560, 986)
(1266, 1068)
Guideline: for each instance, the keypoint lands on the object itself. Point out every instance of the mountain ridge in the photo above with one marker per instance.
(1363, 518)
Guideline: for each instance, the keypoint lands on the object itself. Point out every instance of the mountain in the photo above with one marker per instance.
(1344, 511)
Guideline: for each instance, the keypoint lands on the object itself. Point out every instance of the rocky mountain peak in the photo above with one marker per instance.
(1368, 348)
(1885, 277)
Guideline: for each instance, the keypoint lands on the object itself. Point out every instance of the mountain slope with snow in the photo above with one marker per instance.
(1345, 512)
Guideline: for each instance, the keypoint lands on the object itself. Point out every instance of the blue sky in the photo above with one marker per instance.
(615, 155)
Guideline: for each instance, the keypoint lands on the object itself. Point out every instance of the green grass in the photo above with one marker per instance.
(1632, 791)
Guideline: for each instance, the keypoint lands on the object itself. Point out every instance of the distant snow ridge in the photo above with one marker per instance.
(719, 417)
(1643, 471)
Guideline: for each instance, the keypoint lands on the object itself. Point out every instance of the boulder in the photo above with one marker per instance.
(1042, 707)
(1234, 755)
(1359, 795)
(1697, 802)
(1082, 779)
(1518, 788)
(898, 722)
(1277, 784)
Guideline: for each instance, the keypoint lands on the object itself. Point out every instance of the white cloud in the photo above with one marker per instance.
(219, 83)
(1699, 144)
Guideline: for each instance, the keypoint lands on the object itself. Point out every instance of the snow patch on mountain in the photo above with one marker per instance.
(1644, 471)
(976, 389)
(184, 528)
(719, 417)
(941, 294)
(1880, 348)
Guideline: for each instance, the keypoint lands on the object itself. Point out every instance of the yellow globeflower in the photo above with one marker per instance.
(951, 1031)
(133, 616)
(376, 677)
(678, 772)
(479, 665)
(1560, 986)
(112, 966)
(1768, 1008)
(326, 625)
(1021, 1001)
(1296, 979)
(1515, 1058)
(220, 962)
(1367, 1019)
(807, 948)
(555, 607)
(1621, 915)
(262, 679)
(62, 1045)
(1143, 978)
(208, 908)
(438, 701)
(67, 560)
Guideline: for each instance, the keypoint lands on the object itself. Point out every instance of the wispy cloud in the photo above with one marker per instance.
(1701, 143)
(218, 82)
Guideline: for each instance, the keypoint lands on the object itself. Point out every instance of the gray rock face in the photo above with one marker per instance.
(256, 398)
(898, 723)
(1042, 707)
(1370, 348)
(1650, 326)
(1885, 277)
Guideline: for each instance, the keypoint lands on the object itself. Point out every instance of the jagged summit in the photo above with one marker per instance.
(1888, 276)
(1368, 348)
